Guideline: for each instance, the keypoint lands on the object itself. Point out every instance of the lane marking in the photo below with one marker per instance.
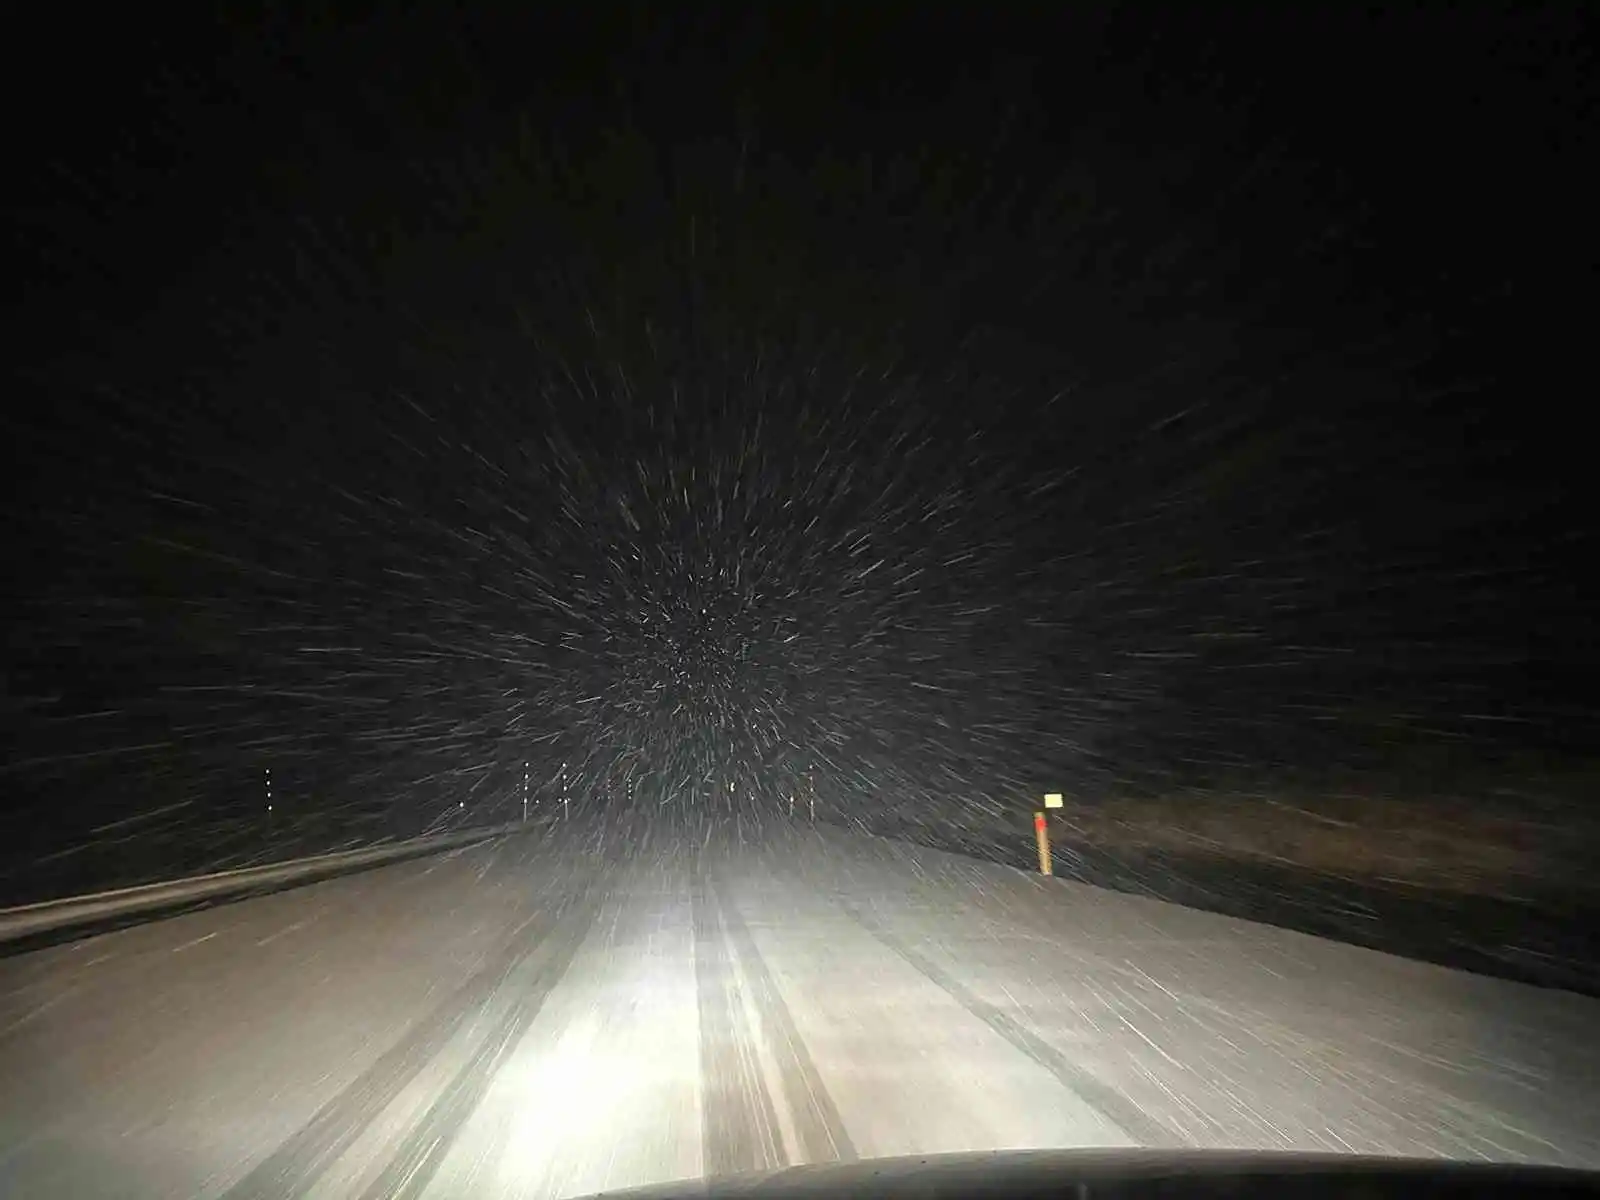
(196, 942)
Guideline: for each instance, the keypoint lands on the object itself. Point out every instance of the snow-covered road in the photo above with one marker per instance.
(529, 1017)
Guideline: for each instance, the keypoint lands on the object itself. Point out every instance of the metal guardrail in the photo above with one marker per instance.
(50, 916)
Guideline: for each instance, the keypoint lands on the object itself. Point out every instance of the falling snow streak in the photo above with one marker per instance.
(905, 462)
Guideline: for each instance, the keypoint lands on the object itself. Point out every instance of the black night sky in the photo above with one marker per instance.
(1136, 404)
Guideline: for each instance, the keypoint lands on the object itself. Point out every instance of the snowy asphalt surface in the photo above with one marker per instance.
(534, 1018)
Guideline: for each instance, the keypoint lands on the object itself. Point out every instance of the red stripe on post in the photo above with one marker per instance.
(1038, 820)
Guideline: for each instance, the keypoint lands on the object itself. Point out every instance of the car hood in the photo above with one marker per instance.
(1086, 1174)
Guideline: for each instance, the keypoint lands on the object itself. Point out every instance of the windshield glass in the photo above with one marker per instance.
(603, 598)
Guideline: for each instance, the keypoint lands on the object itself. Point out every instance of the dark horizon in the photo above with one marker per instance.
(1140, 404)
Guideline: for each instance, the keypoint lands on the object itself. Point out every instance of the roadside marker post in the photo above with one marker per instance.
(1041, 831)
